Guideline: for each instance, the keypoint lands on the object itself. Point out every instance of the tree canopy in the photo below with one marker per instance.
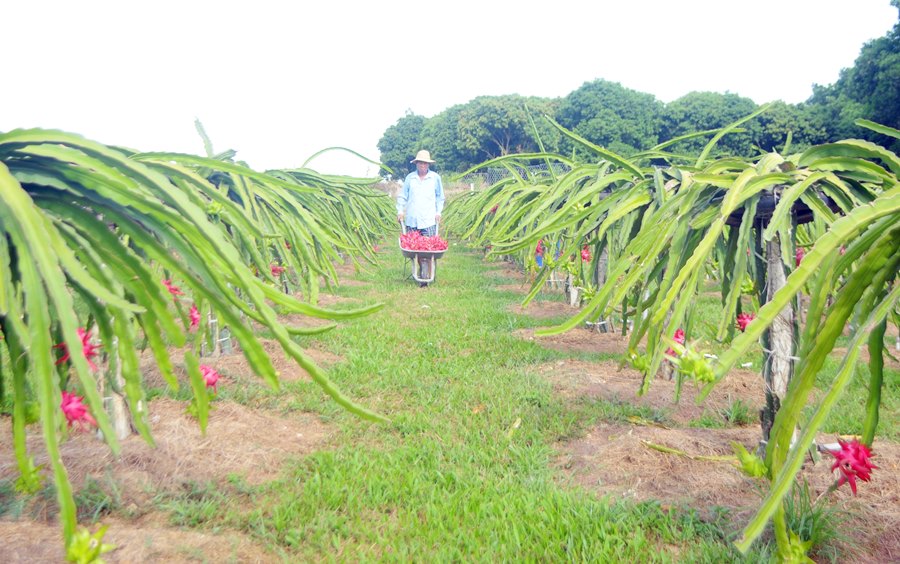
(622, 120)
(870, 89)
(399, 141)
(612, 116)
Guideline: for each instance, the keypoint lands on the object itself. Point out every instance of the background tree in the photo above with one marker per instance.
(467, 134)
(870, 89)
(769, 131)
(494, 126)
(701, 111)
(609, 115)
(400, 141)
(441, 136)
(612, 116)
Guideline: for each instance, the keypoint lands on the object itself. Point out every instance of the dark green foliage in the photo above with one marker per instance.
(870, 89)
(612, 116)
(625, 121)
(467, 134)
(400, 142)
(700, 111)
(493, 126)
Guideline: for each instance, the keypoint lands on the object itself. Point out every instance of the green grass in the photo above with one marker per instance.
(736, 414)
(194, 505)
(818, 521)
(708, 420)
(97, 498)
(464, 471)
(848, 415)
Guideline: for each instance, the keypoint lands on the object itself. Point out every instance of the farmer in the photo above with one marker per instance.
(420, 202)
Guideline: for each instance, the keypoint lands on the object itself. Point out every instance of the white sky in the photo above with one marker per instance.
(278, 80)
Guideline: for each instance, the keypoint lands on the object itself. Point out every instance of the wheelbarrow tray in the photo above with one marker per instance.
(409, 253)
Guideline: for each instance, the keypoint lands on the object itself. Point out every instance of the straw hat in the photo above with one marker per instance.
(422, 156)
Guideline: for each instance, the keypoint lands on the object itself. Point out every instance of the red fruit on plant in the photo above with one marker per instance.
(585, 254)
(539, 249)
(494, 209)
(744, 319)
(277, 270)
(853, 462)
(798, 256)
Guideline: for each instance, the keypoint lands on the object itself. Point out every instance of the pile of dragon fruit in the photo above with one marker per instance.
(415, 241)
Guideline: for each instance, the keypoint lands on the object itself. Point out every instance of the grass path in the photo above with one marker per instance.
(464, 470)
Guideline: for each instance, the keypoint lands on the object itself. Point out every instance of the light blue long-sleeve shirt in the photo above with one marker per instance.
(421, 199)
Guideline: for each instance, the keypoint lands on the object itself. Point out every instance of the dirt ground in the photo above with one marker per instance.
(239, 441)
(616, 459)
(250, 444)
(134, 541)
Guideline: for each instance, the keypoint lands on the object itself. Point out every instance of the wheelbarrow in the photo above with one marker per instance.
(423, 263)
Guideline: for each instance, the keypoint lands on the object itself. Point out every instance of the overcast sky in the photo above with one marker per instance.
(279, 80)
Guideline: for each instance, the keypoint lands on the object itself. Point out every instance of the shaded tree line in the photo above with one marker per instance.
(626, 121)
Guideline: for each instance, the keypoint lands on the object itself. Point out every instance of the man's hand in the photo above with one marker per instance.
(437, 218)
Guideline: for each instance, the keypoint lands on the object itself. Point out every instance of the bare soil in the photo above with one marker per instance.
(616, 459)
(579, 339)
(134, 541)
(239, 441)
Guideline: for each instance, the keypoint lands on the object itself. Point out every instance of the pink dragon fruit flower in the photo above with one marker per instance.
(172, 288)
(853, 462)
(195, 317)
(585, 254)
(88, 349)
(75, 411)
(744, 319)
(678, 338)
(210, 376)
